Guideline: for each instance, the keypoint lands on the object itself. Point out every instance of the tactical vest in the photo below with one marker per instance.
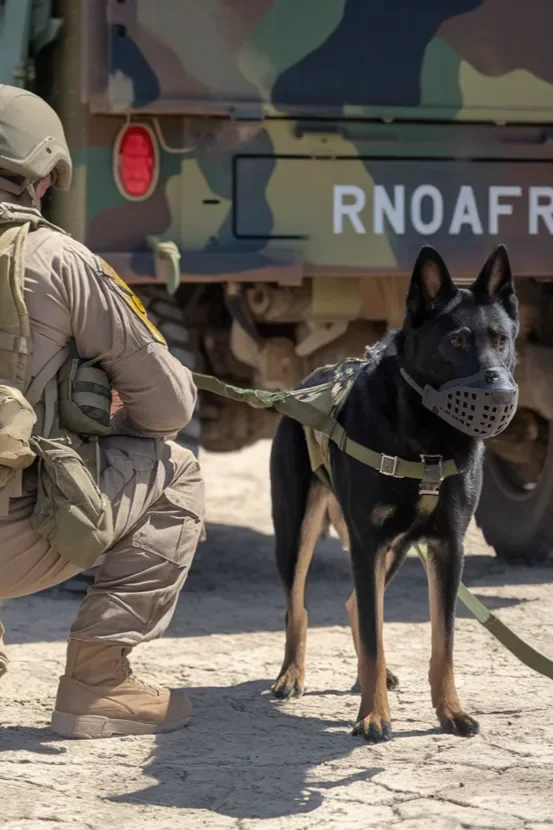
(52, 421)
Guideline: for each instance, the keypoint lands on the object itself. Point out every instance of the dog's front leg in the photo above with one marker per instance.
(369, 569)
(445, 563)
(392, 682)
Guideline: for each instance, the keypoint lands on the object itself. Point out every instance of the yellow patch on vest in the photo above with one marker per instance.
(133, 302)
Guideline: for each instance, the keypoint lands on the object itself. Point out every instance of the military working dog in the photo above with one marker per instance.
(424, 398)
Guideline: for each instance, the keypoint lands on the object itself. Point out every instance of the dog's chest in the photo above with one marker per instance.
(395, 517)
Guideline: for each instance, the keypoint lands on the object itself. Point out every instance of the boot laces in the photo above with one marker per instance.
(132, 678)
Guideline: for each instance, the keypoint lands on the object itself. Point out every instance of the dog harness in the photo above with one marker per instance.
(317, 408)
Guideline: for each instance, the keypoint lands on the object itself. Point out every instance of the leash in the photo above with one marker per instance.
(511, 641)
(298, 406)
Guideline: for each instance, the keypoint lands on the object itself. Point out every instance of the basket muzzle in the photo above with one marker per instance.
(481, 405)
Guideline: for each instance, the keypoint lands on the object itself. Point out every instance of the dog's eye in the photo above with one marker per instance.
(461, 338)
(500, 340)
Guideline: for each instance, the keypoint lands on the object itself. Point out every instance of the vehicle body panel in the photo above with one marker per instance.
(442, 59)
(262, 110)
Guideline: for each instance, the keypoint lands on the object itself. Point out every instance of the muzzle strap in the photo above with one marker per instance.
(412, 383)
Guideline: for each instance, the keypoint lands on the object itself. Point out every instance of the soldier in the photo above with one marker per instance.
(154, 486)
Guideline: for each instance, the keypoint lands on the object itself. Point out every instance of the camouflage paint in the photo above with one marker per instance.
(274, 107)
(360, 56)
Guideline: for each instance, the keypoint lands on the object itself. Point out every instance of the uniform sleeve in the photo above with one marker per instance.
(109, 323)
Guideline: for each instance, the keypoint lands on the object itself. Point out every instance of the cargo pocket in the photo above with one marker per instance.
(170, 529)
(70, 512)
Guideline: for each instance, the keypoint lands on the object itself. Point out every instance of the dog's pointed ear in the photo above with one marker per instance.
(495, 281)
(431, 286)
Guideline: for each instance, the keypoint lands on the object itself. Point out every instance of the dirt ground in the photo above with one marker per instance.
(249, 762)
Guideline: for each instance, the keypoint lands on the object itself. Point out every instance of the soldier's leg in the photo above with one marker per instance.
(157, 495)
(27, 562)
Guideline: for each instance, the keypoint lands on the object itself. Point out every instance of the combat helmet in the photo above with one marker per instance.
(32, 140)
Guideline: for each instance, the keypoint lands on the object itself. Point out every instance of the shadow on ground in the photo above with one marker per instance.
(235, 568)
(264, 752)
(245, 755)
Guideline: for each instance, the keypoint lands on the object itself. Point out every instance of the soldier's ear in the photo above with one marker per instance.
(495, 282)
(431, 287)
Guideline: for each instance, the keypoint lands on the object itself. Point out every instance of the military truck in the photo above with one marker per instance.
(264, 173)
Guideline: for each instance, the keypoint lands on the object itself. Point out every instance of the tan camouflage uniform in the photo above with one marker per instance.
(154, 485)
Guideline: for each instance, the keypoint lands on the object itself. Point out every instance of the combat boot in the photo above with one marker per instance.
(98, 696)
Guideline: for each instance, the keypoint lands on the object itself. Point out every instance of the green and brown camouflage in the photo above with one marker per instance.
(300, 140)
(302, 153)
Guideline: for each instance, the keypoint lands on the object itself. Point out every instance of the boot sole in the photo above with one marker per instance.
(97, 726)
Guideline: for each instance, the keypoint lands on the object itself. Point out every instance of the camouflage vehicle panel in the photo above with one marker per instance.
(250, 189)
(264, 203)
(442, 59)
(293, 157)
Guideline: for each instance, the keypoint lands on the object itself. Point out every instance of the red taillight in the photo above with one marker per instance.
(136, 162)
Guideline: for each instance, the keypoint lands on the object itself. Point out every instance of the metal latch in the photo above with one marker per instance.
(433, 475)
(388, 465)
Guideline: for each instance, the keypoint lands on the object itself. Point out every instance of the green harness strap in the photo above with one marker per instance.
(291, 404)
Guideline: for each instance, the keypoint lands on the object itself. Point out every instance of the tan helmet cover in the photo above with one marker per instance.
(32, 140)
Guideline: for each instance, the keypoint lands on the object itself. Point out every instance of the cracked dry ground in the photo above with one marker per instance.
(249, 762)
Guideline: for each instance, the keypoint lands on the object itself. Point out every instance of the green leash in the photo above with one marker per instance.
(512, 642)
(297, 405)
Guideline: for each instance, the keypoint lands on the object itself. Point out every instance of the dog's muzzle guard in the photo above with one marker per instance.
(481, 405)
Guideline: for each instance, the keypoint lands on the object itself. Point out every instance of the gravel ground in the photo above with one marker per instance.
(248, 762)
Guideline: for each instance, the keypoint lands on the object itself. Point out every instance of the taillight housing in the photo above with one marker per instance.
(136, 161)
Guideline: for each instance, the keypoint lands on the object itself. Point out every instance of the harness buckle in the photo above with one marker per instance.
(388, 465)
(433, 475)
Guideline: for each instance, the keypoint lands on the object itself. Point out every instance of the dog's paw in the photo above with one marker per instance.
(458, 723)
(373, 728)
(392, 683)
(289, 683)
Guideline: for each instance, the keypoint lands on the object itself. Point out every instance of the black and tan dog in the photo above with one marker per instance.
(448, 334)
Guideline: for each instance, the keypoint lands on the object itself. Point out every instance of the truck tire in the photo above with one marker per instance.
(517, 520)
(167, 318)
